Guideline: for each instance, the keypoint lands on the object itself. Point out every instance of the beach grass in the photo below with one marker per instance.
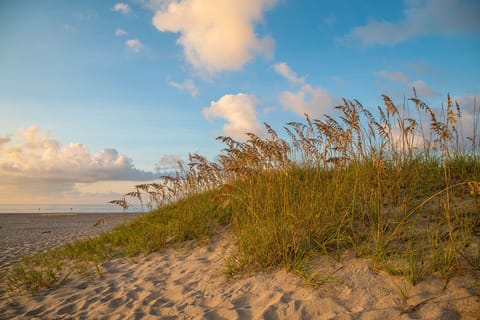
(399, 189)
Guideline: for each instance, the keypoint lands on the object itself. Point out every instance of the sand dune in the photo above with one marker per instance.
(189, 284)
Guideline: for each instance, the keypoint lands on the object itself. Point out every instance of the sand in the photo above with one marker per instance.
(22, 234)
(190, 284)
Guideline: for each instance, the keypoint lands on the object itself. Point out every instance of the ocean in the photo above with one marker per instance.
(66, 208)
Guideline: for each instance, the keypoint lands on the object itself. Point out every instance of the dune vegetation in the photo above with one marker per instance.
(399, 185)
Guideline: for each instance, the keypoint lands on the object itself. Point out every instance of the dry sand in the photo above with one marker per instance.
(22, 234)
(189, 284)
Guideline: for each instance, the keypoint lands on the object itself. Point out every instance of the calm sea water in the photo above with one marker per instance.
(65, 208)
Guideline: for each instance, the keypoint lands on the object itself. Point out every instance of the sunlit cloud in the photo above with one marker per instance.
(121, 7)
(36, 163)
(311, 100)
(284, 70)
(120, 32)
(134, 44)
(109, 190)
(240, 112)
(4, 140)
(216, 35)
(392, 75)
(187, 85)
(421, 17)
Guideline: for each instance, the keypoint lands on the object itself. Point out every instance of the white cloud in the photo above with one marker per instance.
(187, 85)
(168, 163)
(120, 32)
(134, 44)
(421, 17)
(39, 164)
(423, 89)
(240, 112)
(393, 75)
(216, 35)
(121, 7)
(284, 70)
(314, 101)
(311, 100)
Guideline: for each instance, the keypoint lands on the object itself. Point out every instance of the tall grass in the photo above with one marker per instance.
(388, 186)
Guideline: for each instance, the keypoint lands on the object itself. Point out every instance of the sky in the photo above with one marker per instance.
(97, 96)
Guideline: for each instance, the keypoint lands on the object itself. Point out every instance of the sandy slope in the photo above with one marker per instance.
(189, 284)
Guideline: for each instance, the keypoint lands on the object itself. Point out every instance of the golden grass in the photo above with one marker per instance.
(386, 186)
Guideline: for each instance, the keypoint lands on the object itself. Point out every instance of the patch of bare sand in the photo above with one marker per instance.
(190, 285)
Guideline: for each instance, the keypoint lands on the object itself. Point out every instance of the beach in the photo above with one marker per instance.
(190, 283)
(22, 234)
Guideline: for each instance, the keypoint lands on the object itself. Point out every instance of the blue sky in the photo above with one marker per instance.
(98, 95)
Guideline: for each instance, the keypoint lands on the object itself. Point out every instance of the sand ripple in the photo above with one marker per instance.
(189, 284)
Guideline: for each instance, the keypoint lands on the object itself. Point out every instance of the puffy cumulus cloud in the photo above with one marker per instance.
(309, 99)
(40, 164)
(187, 85)
(421, 17)
(392, 75)
(134, 44)
(240, 112)
(216, 35)
(423, 89)
(120, 32)
(121, 7)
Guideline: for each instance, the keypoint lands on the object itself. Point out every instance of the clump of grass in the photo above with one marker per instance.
(380, 182)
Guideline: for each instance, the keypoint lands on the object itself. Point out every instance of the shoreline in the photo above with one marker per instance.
(61, 213)
(66, 213)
